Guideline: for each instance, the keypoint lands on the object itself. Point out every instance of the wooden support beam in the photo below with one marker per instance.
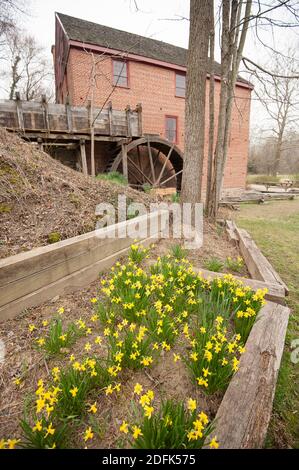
(243, 416)
(83, 157)
(124, 154)
(71, 146)
(128, 118)
(40, 144)
(70, 137)
(19, 111)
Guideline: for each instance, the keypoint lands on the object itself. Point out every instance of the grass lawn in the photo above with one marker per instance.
(275, 228)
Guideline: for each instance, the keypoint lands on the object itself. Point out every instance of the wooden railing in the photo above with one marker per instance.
(53, 119)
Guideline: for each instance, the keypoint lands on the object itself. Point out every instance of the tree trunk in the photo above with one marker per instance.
(275, 169)
(225, 65)
(232, 45)
(15, 78)
(197, 68)
(210, 166)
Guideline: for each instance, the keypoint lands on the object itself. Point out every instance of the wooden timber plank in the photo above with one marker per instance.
(231, 230)
(243, 416)
(67, 284)
(258, 265)
(23, 273)
(66, 266)
(276, 292)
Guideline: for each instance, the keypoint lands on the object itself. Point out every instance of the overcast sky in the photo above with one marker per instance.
(152, 20)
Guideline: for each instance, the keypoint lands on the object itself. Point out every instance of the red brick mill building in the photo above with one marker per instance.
(108, 65)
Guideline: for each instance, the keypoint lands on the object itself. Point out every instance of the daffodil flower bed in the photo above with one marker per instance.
(141, 315)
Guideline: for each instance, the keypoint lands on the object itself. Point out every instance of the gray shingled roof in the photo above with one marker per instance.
(96, 34)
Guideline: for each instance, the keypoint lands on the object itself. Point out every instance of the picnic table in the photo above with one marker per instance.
(285, 184)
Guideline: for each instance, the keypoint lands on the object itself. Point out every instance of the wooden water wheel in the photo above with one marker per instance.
(149, 161)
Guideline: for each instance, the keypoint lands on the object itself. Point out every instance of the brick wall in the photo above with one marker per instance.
(154, 87)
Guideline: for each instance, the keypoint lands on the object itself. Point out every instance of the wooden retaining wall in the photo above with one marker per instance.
(257, 264)
(30, 278)
(242, 420)
(244, 414)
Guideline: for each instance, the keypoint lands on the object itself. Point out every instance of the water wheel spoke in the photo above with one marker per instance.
(130, 170)
(140, 171)
(151, 160)
(139, 160)
(173, 176)
(164, 166)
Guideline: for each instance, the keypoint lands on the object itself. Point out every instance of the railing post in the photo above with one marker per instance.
(110, 118)
(128, 119)
(19, 111)
(46, 114)
(139, 111)
(69, 118)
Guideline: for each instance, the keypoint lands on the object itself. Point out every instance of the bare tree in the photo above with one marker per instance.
(10, 10)
(236, 15)
(278, 93)
(197, 68)
(27, 69)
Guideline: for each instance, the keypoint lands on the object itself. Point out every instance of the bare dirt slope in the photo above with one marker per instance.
(39, 196)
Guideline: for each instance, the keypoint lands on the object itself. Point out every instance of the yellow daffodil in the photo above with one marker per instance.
(11, 443)
(38, 426)
(148, 411)
(88, 434)
(176, 357)
(124, 427)
(3, 444)
(136, 432)
(109, 390)
(138, 389)
(74, 391)
(191, 405)
(93, 408)
(49, 430)
(214, 444)
(194, 356)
